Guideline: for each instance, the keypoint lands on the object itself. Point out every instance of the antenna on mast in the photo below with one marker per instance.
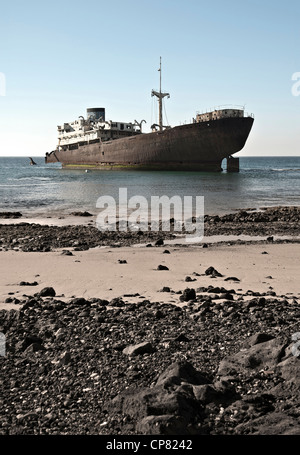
(160, 97)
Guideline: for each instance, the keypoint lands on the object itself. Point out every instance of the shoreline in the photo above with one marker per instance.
(65, 214)
(35, 245)
(277, 224)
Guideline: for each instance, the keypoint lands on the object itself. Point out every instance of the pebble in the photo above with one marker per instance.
(47, 292)
(162, 267)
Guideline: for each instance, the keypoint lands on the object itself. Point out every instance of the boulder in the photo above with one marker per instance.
(212, 271)
(262, 355)
(47, 292)
(188, 294)
(179, 372)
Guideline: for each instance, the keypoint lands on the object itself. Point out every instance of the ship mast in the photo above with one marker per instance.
(160, 97)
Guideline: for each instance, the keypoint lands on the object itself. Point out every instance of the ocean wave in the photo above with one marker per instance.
(29, 178)
(3, 185)
(286, 169)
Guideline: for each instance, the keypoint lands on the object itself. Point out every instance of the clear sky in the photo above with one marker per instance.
(58, 58)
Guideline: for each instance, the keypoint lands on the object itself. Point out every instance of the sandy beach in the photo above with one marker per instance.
(98, 272)
(108, 265)
(140, 333)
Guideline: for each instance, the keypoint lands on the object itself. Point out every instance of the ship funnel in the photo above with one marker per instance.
(95, 113)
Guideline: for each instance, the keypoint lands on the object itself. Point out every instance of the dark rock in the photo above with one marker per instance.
(47, 292)
(117, 301)
(150, 406)
(122, 261)
(188, 294)
(166, 252)
(212, 271)
(159, 314)
(182, 337)
(258, 338)
(227, 296)
(34, 347)
(205, 393)
(29, 340)
(159, 242)
(265, 354)
(78, 301)
(10, 215)
(100, 302)
(289, 369)
(81, 213)
(179, 372)
(67, 253)
(213, 289)
(231, 278)
(275, 423)
(163, 424)
(84, 314)
(162, 267)
(166, 289)
(168, 406)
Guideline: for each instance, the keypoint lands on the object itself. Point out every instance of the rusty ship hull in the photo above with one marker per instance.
(190, 147)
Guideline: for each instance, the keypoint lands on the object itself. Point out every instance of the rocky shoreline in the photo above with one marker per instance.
(211, 366)
(217, 362)
(36, 237)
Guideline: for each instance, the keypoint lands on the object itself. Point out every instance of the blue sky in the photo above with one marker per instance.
(59, 58)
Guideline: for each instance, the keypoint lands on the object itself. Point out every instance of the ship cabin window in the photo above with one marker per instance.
(121, 126)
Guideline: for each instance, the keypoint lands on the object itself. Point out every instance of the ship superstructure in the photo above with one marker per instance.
(93, 129)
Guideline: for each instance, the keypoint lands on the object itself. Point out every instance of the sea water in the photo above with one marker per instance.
(50, 190)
